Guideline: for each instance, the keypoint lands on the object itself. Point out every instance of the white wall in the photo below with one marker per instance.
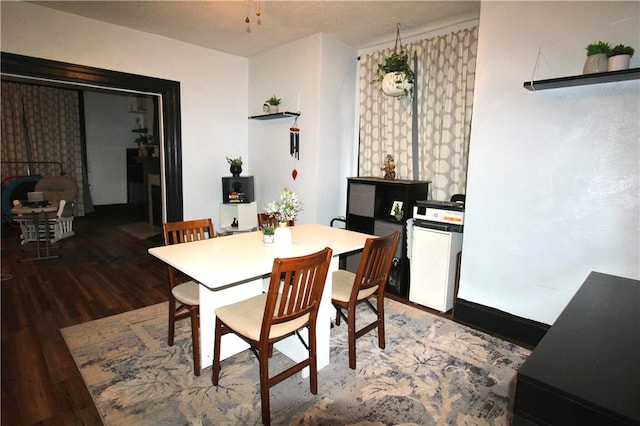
(553, 187)
(213, 85)
(108, 133)
(321, 73)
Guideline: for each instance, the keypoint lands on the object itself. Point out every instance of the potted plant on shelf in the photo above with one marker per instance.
(268, 234)
(272, 104)
(597, 57)
(397, 212)
(146, 145)
(619, 57)
(235, 166)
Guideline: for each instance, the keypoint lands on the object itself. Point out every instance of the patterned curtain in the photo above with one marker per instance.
(385, 123)
(445, 74)
(42, 124)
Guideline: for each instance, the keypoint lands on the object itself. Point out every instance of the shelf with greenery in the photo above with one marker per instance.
(274, 115)
(583, 79)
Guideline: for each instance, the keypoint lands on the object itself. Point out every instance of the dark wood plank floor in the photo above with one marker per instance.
(102, 272)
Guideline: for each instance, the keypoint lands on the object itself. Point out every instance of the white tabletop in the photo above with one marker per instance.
(220, 262)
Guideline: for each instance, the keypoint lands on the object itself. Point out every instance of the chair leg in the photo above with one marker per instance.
(381, 339)
(263, 359)
(215, 371)
(195, 338)
(351, 333)
(337, 314)
(313, 362)
(172, 319)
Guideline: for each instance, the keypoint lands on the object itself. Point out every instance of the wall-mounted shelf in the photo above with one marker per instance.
(143, 130)
(274, 116)
(582, 80)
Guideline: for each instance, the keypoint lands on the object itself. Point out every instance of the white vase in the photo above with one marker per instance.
(595, 63)
(273, 109)
(282, 236)
(395, 84)
(267, 239)
(619, 62)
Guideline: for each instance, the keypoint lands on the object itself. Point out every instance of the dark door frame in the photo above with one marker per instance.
(168, 90)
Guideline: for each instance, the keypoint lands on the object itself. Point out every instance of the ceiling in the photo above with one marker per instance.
(221, 25)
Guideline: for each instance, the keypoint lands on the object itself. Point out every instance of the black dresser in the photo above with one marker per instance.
(586, 369)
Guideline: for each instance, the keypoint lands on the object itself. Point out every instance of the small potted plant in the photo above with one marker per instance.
(597, 57)
(397, 212)
(396, 75)
(619, 57)
(272, 104)
(145, 143)
(235, 166)
(268, 234)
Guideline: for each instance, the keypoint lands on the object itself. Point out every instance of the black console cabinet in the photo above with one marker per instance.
(369, 209)
(586, 369)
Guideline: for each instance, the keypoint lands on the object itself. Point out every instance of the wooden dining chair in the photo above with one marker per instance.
(290, 304)
(184, 298)
(266, 220)
(349, 289)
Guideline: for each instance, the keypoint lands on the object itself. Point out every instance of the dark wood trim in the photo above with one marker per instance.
(37, 68)
(510, 327)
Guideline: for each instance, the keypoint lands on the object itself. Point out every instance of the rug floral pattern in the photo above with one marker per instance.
(432, 372)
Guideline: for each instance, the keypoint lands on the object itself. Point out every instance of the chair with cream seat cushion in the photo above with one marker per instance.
(185, 296)
(349, 289)
(290, 304)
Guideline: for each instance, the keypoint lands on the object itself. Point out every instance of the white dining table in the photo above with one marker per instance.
(236, 267)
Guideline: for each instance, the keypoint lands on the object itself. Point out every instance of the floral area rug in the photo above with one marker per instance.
(432, 372)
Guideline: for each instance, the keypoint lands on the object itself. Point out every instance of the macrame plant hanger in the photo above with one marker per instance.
(398, 40)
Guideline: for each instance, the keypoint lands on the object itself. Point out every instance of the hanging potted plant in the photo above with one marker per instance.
(597, 55)
(396, 75)
(619, 57)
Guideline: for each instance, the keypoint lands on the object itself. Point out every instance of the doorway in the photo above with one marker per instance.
(60, 73)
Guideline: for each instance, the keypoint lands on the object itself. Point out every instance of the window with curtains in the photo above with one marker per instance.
(42, 124)
(428, 135)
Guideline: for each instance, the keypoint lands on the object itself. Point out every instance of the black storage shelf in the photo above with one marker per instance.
(369, 203)
(583, 80)
(275, 115)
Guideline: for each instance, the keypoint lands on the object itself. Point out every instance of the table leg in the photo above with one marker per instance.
(47, 242)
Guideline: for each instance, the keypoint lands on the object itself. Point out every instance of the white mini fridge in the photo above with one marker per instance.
(434, 255)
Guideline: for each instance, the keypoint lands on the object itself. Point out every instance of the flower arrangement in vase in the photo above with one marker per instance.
(285, 210)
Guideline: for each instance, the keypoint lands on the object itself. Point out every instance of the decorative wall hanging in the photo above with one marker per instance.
(294, 147)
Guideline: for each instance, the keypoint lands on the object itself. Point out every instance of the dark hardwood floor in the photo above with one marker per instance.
(102, 272)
